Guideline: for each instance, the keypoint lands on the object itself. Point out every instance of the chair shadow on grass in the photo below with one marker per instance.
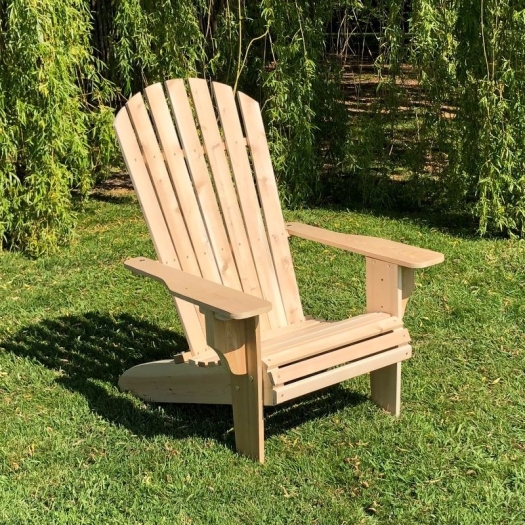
(91, 351)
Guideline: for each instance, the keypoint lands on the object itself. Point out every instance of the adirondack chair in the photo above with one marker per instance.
(202, 171)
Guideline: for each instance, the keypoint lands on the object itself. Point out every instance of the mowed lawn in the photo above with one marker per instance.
(73, 449)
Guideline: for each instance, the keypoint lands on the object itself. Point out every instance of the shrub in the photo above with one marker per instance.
(49, 85)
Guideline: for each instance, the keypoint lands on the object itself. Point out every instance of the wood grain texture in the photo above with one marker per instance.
(227, 302)
(168, 382)
(269, 199)
(225, 190)
(338, 357)
(248, 201)
(336, 335)
(239, 345)
(307, 330)
(375, 247)
(288, 329)
(384, 288)
(385, 384)
(204, 191)
(386, 291)
(155, 220)
(197, 259)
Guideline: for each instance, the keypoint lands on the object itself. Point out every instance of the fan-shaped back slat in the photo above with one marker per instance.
(249, 202)
(202, 183)
(209, 194)
(191, 319)
(225, 190)
(271, 207)
(162, 184)
(193, 225)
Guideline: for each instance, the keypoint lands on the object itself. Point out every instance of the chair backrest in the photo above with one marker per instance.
(203, 175)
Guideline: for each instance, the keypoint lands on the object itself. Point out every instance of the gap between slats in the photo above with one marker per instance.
(337, 357)
(221, 175)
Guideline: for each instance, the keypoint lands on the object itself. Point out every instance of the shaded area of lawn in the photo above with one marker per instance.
(93, 348)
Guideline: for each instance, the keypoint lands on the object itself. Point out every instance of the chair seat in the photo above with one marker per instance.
(315, 354)
(327, 353)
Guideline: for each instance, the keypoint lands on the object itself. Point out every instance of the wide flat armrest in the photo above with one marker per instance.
(375, 247)
(227, 302)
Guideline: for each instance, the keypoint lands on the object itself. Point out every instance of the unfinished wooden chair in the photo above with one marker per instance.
(202, 172)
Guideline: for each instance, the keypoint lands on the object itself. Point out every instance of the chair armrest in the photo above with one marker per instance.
(227, 302)
(374, 247)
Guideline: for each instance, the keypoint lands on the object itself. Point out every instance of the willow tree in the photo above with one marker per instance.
(49, 87)
(471, 60)
(66, 65)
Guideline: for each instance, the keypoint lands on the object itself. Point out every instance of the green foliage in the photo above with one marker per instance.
(55, 112)
(155, 41)
(491, 76)
(441, 121)
(273, 50)
(300, 92)
(470, 57)
(458, 141)
(46, 121)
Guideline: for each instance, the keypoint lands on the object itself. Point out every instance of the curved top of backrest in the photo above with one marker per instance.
(203, 175)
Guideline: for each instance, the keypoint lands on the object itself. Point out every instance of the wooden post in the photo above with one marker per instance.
(388, 287)
(238, 344)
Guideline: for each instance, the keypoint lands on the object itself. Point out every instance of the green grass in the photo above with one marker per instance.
(73, 449)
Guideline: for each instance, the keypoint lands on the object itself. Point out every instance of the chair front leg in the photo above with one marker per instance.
(238, 344)
(388, 287)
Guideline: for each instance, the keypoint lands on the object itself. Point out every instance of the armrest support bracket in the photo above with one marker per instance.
(388, 287)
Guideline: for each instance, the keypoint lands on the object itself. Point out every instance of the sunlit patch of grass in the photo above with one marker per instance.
(73, 449)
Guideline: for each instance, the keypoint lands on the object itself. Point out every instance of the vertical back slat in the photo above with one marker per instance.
(182, 184)
(269, 197)
(204, 189)
(211, 203)
(249, 204)
(162, 184)
(226, 194)
(156, 222)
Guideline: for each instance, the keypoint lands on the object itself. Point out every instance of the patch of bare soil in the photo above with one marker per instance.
(117, 185)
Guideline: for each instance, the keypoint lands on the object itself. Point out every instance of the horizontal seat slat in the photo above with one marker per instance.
(288, 330)
(336, 375)
(289, 340)
(338, 357)
(324, 341)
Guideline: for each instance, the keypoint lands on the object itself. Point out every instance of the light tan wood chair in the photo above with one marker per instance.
(201, 168)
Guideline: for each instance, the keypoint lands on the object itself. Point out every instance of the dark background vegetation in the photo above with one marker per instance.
(377, 103)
